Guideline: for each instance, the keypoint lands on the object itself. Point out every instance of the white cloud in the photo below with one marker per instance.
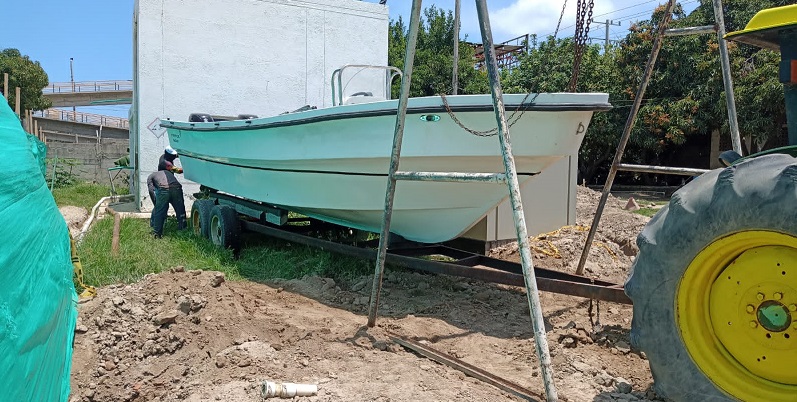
(512, 18)
(540, 17)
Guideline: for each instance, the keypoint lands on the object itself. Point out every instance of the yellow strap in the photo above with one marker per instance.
(547, 246)
(88, 291)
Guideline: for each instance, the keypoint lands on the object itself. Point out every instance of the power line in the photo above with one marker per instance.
(639, 14)
(626, 8)
(627, 17)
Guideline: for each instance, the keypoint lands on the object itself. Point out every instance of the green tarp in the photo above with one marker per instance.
(38, 303)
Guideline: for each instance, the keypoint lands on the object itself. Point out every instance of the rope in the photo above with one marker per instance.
(547, 246)
(513, 118)
(560, 19)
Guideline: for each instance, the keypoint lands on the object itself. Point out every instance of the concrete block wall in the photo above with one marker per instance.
(90, 161)
(229, 57)
(80, 128)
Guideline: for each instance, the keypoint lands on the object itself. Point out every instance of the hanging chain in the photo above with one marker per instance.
(513, 118)
(560, 19)
(583, 20)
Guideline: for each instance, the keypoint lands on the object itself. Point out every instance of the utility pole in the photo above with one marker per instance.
(608, 24)
(455, 73)
(72, 78)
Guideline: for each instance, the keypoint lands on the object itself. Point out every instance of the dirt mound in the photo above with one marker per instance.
(192, 336)
(74, 217)
(613, 249)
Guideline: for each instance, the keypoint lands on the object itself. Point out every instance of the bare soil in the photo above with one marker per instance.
(189, 335)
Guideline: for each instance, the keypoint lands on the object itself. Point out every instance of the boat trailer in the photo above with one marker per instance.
(433, 258)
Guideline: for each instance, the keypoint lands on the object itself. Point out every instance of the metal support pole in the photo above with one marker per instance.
(726, 77)
(661, 169)
(398, 136)
(706, 29)
(629, 124)
(72, 77)
(455, 72)
(535, 310)
(452, 177)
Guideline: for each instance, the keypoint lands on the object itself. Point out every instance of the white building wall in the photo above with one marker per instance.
(228, 57)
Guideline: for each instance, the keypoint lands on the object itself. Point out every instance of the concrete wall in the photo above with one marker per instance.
(87, 161)
(229, 57)
(71, 127)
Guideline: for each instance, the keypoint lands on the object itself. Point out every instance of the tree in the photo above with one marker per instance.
(434, 56)
(26, 74)
(548, 67)
(685, 101)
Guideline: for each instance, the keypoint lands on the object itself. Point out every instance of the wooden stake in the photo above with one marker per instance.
(35, 128)
(117, 223)
(5, 85)
(17, 101)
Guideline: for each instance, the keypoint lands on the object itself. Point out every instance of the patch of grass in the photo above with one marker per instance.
(261, 259)
(80, 195)
(140, 253)
(649, 212)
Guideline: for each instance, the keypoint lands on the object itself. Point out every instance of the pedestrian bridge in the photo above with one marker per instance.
(89, 93)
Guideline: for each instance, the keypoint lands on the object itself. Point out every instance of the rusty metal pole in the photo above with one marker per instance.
(535, 309)
(727, 81)
(398, 136)
(455, 72)
(629, 124)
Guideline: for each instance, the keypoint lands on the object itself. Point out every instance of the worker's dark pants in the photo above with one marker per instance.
(164, 197)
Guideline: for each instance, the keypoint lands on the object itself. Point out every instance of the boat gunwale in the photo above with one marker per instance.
(191, 155)
(291, 118)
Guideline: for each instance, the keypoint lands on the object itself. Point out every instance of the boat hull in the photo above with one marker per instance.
(333, 164)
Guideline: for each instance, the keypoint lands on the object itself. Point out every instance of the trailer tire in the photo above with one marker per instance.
(715, 286)
(200, 217)
(225, 228)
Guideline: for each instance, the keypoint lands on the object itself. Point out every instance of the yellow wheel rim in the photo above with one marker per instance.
(737, 314)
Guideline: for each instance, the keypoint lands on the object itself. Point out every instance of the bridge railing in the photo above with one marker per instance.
(87, 118)
(88, 86)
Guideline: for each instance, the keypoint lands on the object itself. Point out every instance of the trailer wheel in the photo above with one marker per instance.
(715, 286)
(225, 228)
(200, 217)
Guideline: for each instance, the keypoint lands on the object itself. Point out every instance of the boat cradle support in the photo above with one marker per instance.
(441, 259)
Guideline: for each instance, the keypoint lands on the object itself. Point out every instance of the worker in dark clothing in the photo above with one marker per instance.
(166, 161)
(164, 189)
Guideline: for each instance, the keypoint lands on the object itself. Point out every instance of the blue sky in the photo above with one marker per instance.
(98, 33)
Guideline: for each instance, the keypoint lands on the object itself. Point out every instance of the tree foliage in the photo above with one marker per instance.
(434, 56)
(548, 67)
(26, 74)
(685, 99)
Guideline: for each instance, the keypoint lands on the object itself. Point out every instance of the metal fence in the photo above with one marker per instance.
(88, 118)
(88, 86)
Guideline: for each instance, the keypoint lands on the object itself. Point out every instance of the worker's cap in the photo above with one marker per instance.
(170, 151)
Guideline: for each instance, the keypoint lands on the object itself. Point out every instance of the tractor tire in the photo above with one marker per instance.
(200, 217)
(225, 228)
(715, 286)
